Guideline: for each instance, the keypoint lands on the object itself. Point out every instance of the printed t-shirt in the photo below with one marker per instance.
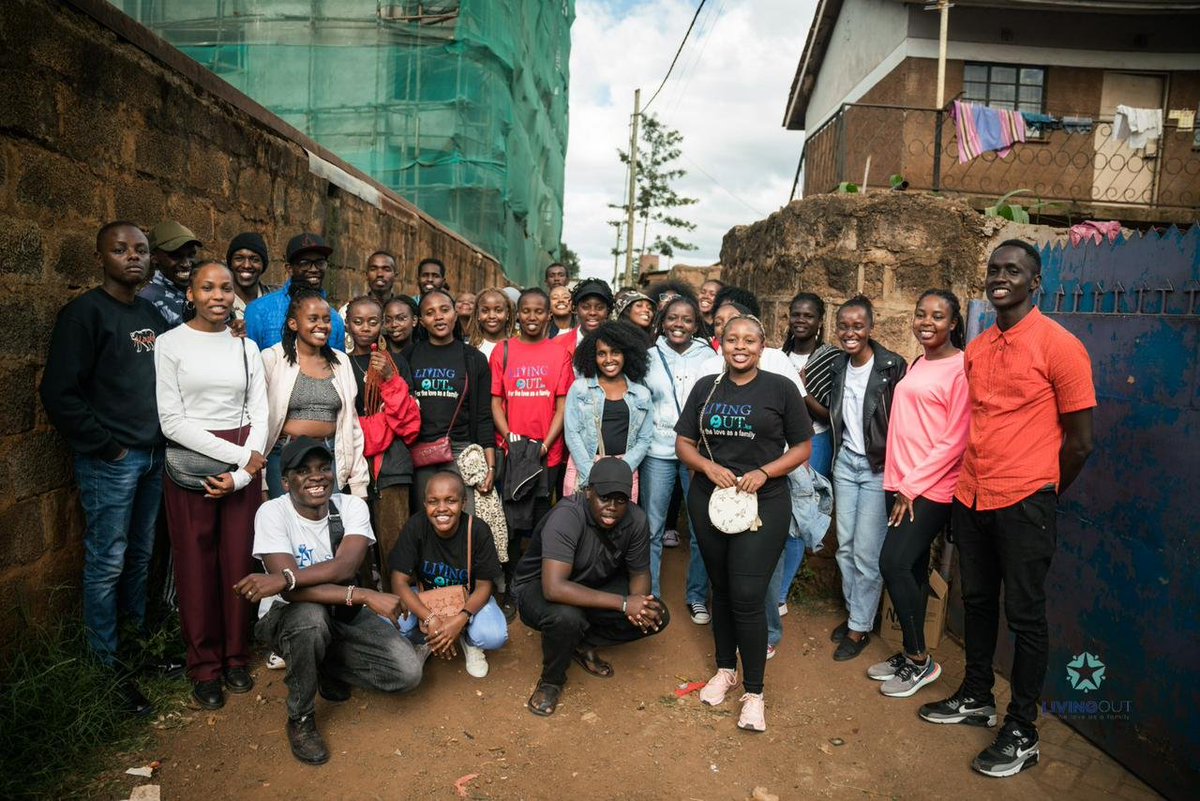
(746, 426)
(279, 528)
(537, 375)
(436, 562)
(439, 376)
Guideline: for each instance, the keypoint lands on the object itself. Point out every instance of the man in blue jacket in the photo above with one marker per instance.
(308, 259)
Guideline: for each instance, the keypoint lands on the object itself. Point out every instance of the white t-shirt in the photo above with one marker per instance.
(852, 405)
(485, 347)
(279, 528)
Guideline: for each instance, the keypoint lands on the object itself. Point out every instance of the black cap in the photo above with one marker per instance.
(296, 451)
(592, 287)
(610, 475)
(248, 240)
(307, 242)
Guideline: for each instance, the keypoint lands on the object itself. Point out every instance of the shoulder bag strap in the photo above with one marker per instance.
(599, 422)
(461, 398)
(670, 375)
(704, 438)
(470, 549)
(337, 530)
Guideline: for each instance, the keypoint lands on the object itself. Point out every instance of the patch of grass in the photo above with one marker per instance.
(60, 711)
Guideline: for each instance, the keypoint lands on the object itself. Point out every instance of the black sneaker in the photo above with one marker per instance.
(849, 648)
(132, 701)
(839, 633)
(960, 708)
(307, 743)
(1015, 750)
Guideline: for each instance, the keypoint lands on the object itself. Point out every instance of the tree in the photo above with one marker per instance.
(655, 201)
(569, 259)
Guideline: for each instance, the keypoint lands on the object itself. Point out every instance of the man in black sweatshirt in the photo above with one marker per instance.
(98, 390)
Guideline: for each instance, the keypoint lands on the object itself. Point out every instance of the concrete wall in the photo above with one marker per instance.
(99, 121)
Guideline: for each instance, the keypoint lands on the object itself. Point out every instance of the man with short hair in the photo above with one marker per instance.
(1031, 392)
(98, 391)
(308, 259)
(331, 633)
(248, 258)
(556, 275)
(584, 582)
(172, 253)
(381, 280)
(431, 275)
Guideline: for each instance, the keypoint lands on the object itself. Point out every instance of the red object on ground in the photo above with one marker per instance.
(690, 688)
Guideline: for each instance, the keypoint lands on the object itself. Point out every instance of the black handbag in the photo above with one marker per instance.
(188, 468)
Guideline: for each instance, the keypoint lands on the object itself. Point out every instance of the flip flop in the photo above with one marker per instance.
(544, 700)
(592, 663)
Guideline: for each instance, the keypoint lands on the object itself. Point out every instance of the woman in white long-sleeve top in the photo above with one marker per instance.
(212, 404)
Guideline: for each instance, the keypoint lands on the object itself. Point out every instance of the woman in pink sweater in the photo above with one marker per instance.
(926, 440)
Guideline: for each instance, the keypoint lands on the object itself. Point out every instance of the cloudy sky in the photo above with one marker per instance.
(726, 96)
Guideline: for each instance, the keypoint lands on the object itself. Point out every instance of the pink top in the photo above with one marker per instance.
(927, 430)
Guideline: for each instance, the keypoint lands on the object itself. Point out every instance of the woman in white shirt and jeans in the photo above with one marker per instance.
(212, 400)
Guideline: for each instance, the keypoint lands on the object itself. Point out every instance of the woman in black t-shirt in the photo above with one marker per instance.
(754, 430)
(432, 551)
(453, 384)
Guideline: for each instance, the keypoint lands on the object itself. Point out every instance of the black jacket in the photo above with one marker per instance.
(889, 368)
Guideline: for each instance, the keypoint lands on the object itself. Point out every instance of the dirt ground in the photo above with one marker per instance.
(830, 734)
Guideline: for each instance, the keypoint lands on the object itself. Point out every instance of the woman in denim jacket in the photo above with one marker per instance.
(607, 404)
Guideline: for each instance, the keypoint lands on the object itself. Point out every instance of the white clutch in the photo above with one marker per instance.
(733, 511)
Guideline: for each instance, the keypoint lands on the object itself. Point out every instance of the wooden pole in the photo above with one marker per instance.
(633, 165)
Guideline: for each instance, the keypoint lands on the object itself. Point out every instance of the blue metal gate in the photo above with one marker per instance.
(1124, 588)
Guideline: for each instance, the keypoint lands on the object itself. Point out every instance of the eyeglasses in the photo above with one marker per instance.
(304, 264)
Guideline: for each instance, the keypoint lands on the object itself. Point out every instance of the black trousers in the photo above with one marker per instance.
(904, 564)
(739, 569)
(1012, 546)
(565, 628)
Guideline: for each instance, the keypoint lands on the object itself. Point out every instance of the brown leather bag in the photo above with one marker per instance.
(431, 454)
(449, 601)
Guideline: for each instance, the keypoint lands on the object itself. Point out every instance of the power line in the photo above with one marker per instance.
(721, 186)
(695, 16)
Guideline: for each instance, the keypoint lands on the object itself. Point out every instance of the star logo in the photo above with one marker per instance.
(1085, 672)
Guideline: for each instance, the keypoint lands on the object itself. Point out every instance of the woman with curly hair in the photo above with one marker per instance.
(609, 411)
(492, 322)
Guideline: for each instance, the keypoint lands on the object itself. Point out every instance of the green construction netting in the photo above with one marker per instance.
(458, 105)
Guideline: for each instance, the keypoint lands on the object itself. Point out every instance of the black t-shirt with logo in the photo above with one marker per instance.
(439, 375)
(746, 426)
(421, 554)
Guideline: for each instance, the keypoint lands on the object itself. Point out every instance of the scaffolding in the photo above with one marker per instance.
(460, 106)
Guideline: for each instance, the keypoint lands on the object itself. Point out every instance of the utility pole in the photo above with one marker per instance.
(943, 8)
(633, 165)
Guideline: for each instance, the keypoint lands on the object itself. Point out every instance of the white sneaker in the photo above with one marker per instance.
(477, 664)
(714, 691)
(752, 717)
(275, 662)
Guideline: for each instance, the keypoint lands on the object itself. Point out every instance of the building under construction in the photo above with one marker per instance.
(458, 105)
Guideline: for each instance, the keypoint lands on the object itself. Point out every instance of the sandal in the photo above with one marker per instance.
(590, 661)
(544, 700)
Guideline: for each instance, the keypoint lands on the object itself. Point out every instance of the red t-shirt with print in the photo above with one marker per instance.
(535, 376)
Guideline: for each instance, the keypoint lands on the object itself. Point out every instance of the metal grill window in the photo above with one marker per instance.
(1005, 86)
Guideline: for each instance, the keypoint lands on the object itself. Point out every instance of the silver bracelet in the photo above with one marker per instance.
(291, 578)
(350, 595)
(624, 604)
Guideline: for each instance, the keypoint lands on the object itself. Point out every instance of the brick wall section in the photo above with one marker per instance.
(99, 120)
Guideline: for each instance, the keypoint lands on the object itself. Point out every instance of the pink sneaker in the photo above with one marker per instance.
(714, 691)
(752, 718)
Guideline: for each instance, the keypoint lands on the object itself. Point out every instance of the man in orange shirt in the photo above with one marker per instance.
(1031, 394)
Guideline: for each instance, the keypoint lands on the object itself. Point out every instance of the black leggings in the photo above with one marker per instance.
(904, 564)
(739, 568)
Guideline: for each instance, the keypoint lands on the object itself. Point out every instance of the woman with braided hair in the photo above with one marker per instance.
(745, 428)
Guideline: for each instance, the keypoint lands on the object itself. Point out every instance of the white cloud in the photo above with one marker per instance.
(726, 96)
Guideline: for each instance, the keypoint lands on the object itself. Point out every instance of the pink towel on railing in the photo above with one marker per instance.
(1094, 231)
(982, 128)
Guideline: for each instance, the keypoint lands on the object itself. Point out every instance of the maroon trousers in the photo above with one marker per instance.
(211, 541)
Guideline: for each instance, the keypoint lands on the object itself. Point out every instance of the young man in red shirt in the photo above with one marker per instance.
(1031, 395)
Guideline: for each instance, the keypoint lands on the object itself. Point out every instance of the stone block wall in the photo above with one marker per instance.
(100, 120)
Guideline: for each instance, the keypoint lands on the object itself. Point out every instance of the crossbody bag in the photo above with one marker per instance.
(730, 510)
(189, 468)
(441, 451)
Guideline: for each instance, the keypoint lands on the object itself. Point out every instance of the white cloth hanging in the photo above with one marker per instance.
(1137, 126)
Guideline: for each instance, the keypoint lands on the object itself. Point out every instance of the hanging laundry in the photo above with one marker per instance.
(1037, 125)
(1137, 127)
(982, 128)
(1094, 231)
(1078, 125)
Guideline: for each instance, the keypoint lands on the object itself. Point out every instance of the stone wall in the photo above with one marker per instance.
(100, 120)
(889, 246)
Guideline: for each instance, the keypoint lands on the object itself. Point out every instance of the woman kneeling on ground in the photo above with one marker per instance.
(433, 550)
(755, 430)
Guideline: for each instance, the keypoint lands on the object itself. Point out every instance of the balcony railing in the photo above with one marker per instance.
(872, 142)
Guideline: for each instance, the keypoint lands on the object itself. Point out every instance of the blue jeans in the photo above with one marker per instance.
(275, 475)
(489, 629)
(822, 453)
(774, 621)
(793, 551)
(657, 477)
(120, 505)
(861, 529)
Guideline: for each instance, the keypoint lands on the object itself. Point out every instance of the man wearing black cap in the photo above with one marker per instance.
(592, 300)
(248, 258)
(308, 259)
(311, 612)
(172, 253)
(584, 582)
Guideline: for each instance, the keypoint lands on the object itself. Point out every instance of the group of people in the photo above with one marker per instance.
(401, 477)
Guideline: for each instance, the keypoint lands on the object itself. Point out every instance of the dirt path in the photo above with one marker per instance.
(830, 734)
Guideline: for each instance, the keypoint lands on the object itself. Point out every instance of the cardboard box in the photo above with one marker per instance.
(935, 616)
